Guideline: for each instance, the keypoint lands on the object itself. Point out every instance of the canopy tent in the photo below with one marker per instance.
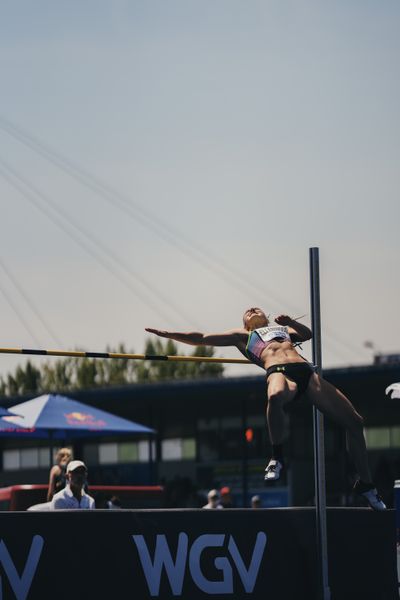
(6, 413)
(59, 417)
(56, 417)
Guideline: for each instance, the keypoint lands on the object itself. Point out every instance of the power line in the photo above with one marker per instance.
(19, 315)
(30, 303)
(32, 197)
(151, 221)
(108, 252)
(148, 219)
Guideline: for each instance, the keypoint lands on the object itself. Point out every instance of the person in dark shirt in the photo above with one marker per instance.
(57, 478)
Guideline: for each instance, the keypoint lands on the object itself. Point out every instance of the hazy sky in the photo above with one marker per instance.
(170, 163)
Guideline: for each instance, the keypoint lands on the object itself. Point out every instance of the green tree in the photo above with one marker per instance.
(116, 371)
(57, 376)
(159, 370)
(26, 380)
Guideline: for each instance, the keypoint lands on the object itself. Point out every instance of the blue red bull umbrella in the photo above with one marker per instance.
(60, 417)
(6, 413)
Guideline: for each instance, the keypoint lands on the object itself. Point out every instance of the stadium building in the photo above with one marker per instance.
(212, 433)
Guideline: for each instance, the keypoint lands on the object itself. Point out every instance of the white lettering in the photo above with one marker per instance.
(270, 333)
(248, 576)
(221, 563)
(21, 585)
(175, 569)
(162, 557)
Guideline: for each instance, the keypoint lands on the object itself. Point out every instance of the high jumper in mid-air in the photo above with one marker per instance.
(288, 376)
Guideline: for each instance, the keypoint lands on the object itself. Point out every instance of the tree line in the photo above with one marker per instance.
(71, 373)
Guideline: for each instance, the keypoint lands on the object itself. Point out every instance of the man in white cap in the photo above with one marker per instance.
(213, 500)
(73, 495)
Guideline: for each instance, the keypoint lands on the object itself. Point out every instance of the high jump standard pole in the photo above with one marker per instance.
(318, 431)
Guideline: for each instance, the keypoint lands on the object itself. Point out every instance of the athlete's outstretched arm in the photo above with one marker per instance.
(195, 338)
(297, 331)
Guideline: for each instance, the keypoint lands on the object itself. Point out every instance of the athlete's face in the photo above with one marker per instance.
(254, 318)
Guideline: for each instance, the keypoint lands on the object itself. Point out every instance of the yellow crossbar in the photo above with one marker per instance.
(80, 354)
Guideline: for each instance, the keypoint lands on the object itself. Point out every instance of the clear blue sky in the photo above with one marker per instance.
(232, 137)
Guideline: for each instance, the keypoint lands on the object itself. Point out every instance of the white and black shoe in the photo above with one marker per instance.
(371, 495)
(273, 470)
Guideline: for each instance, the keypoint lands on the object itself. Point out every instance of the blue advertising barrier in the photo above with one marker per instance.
(263, 554)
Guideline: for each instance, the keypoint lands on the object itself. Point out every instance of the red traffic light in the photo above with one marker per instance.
(249, 433)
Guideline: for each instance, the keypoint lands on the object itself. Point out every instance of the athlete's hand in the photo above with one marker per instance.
(283, 320)
(159, 332)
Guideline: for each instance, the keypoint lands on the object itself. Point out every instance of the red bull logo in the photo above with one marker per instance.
(85, 420)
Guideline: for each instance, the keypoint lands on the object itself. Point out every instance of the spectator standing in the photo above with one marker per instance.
(57, 479)
(213, 498)
(256, 502)
(226, 498)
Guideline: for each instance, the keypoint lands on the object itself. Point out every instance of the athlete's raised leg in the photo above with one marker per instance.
(334, 404)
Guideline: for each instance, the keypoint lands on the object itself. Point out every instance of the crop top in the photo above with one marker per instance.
(259, 339)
